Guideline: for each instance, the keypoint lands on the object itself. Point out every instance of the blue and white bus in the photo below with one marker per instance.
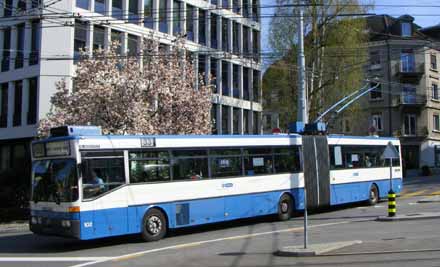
(87, 185)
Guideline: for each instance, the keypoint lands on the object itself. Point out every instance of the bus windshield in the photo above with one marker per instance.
(54, 180)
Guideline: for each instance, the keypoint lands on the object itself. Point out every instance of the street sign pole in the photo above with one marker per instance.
(391, 153)
(305, 217)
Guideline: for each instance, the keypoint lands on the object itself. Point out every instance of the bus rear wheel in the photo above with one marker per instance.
(154, 225)
(373, 195)
(285, 207)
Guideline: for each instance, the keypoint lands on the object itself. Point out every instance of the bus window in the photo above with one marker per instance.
(102, 175)
(190, 165)
(149, 167)
(286, 160)
(258, 161)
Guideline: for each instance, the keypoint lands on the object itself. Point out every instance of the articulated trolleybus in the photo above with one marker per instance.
(86, 185)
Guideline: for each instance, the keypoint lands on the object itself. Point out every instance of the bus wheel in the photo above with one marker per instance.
(154, 225)
(374, 195)
(285, 207)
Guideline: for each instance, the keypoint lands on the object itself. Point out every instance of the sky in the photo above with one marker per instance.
(424, 16)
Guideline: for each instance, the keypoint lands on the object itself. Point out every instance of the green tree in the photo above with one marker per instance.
(336, 51)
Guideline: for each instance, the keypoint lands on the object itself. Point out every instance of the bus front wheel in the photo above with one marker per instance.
(285, 207)
(154, 225)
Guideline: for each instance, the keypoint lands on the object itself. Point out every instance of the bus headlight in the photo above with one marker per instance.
(39, 220)
(65, 223)
(34, 220)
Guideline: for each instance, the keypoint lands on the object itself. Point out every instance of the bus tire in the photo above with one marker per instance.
(285, 207)
(373, 196)
(154, 225)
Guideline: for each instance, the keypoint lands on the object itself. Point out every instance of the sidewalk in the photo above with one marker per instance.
(14, 227)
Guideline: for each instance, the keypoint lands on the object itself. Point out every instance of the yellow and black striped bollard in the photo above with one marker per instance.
(392, 207)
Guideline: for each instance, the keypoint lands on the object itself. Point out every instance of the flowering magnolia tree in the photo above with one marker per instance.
(151, 93)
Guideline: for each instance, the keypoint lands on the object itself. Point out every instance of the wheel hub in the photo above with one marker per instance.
(154, 225)
(284, 207)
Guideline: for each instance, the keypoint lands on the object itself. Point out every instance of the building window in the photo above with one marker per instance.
(376, 94)
(80, 38)
(20, 47)
(18, 93)
(246, 50)
(436, 122)
(433, 61)
(82, 4)
(8, 8)
(246, 8)
(148, 14)
(176, 18)
(246, 121)
(256, 45)
(132, 45)
(4, 105)
(236, 120)
(409, 94)
(255, 7)
(98, 37)
(225, 80)
(214, 31)
(202, 68)
(406, 29)
(213, 70)
(236, 6)
(435, 94)
(32, 101)
(409, 125)
(133, 11)
(375, 58)
(235, 38)
(6, 49)
(202, 29)
(225, 34)
(256, 126)
(21, 6)
(5, 157)
(246, 95)
(407, 61)
(225, 119)
(376, 122)
(256, 86)
(163, 10)
(117, 9)
(190, 22)
(100, 7)
(236, 81)
(35, 43)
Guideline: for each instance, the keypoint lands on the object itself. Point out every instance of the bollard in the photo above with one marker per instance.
(392, 207)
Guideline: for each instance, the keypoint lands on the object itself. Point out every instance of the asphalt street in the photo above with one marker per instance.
(252, 242)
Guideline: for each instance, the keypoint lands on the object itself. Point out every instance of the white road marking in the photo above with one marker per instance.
(52, 259)
(412, 203)
(141, 253)
(378, 206)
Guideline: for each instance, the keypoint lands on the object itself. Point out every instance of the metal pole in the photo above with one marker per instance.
(305, 217)
(302, 105)
(391, 174)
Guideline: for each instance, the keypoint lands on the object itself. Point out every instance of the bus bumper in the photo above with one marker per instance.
(56, 227)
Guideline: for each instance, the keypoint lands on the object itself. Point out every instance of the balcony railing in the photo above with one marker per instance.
(410, 70)
(412, 100)
(412, 133)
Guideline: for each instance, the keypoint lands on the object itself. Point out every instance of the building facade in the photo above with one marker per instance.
(40, 41)
(403, 59)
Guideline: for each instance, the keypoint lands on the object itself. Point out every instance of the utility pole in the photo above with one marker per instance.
(302, 104)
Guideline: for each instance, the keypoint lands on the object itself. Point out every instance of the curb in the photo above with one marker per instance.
(314, 249)
(409, 217)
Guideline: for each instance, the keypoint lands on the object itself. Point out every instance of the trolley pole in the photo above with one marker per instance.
(302, 102)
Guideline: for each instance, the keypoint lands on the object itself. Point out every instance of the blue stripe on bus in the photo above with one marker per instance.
(121, 221)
